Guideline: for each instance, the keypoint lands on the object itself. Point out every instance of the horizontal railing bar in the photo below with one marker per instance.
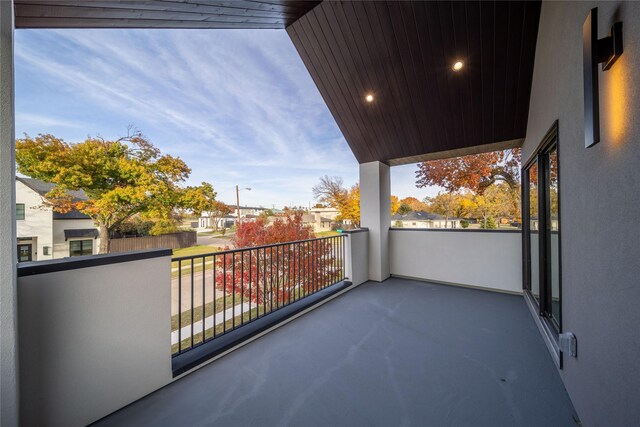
(188, 257)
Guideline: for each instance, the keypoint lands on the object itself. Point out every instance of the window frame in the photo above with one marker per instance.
(543, 310)
(82, 248)
(24, 212)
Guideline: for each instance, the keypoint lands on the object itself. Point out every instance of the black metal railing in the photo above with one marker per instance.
(213, 294)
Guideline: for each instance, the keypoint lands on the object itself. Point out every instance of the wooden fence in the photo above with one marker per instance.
(169, 241)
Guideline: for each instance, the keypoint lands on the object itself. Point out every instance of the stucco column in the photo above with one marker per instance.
(375, 214)
(8, 294)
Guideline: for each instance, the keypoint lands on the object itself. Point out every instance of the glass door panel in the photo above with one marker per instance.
(554, 233)
(541, 216)
(24, 253)
(534, 223)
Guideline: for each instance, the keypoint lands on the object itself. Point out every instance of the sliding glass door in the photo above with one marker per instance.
(541, 220)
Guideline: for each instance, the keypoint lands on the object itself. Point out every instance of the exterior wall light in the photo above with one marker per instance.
(457, 66)
(606, 51)
(369, 98)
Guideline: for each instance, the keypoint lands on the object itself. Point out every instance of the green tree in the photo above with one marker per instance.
(488, 223)
(404, 209)
(202, 200)
(121, 177)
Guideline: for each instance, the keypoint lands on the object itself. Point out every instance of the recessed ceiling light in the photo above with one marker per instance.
(457, 66)
(369, 97)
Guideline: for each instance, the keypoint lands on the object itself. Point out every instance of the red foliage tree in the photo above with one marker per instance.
(277, 263)
(475, 172)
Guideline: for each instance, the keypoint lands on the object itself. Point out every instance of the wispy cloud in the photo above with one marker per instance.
(238, 106)
(24, 120)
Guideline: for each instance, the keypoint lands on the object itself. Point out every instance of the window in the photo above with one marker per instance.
(20, 211)
(80, 247)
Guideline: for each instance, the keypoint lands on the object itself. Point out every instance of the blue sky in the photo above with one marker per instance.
(237, 105)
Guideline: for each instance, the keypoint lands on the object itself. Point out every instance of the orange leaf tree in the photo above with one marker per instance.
(474, 172)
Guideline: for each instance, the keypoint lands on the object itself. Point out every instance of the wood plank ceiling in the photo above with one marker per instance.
(159, 13)
(402, 53)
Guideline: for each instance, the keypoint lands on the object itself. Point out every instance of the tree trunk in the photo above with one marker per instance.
(105, 239)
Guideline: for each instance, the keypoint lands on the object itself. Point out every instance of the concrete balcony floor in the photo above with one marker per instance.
(401, 352)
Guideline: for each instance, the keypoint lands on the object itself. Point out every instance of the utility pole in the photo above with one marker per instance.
(238, 204)
(238, 201)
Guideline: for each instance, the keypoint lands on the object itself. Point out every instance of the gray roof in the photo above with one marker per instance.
(417, 216)
(43, 188)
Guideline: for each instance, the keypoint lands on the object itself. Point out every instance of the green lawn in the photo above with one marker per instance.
(197, 311)
(327, 233)
(195, 250)
(213, 233)
(219, 329)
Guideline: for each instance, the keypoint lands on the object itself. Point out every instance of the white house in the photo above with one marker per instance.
(317, 221)
(422, 219)
(246, 212)
(330, 213)
(44, 234)
(224, 222)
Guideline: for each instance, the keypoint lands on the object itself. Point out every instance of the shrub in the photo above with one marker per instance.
(464, 223)
(489, 223)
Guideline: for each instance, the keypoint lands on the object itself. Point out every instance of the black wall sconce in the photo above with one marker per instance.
(606, 51)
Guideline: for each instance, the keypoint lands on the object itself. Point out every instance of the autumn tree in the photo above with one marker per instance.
(331, 191)
(474, 172)
(444, 204)
(270, 270)
(202, 200)
(395, 204)
(414, 204)
(121, 177)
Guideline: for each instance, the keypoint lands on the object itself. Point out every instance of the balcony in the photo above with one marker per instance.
(358, 352)
(398, 352)
(90, 339)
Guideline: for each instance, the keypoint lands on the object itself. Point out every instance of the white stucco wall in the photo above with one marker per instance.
(93, 339)
(483, 259)
(375, 214)
(60, 246)
(600, 268)
(37, 223)
(357, 250)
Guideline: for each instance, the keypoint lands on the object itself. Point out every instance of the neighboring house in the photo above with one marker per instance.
(421, 219)
(317, 221)
(246, 212)
(44, 234)
(330, 213)
(227, 221)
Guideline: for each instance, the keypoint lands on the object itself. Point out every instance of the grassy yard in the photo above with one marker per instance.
(327, 233)
(195, 250)
(219, 329)
(215, 233)
(208, 310)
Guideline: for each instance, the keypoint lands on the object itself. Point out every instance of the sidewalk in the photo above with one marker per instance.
(209, 321)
